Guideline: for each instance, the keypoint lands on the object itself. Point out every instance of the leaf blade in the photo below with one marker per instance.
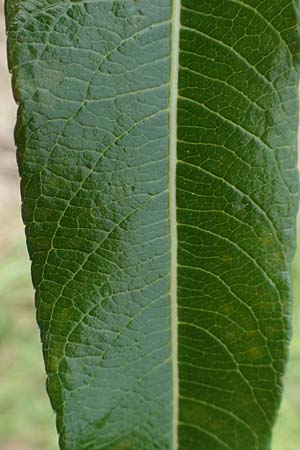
(93, 142)
(231, 225)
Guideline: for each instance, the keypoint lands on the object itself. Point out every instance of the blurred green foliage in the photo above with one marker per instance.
(287, 430)
(26, 418)
(27, 421)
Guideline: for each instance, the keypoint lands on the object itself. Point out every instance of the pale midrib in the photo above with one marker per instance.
(172, 209)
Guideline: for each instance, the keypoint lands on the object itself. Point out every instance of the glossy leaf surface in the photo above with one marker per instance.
(159, 188)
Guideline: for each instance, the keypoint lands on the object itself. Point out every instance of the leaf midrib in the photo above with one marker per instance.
(175, 23)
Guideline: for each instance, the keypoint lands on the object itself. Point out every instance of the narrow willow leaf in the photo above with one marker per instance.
(157, 152)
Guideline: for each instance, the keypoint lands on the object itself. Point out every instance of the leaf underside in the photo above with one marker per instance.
(92, 79)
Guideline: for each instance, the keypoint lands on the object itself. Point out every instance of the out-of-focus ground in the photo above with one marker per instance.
(26, 418)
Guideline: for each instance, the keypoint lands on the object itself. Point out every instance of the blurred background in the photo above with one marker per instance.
(26, 419)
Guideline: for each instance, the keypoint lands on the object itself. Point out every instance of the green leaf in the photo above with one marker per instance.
(157, 152)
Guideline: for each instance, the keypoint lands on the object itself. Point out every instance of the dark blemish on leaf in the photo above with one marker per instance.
(227, 258)
(124, 445)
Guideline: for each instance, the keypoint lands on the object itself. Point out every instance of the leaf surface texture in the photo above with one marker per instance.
(140, 216)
